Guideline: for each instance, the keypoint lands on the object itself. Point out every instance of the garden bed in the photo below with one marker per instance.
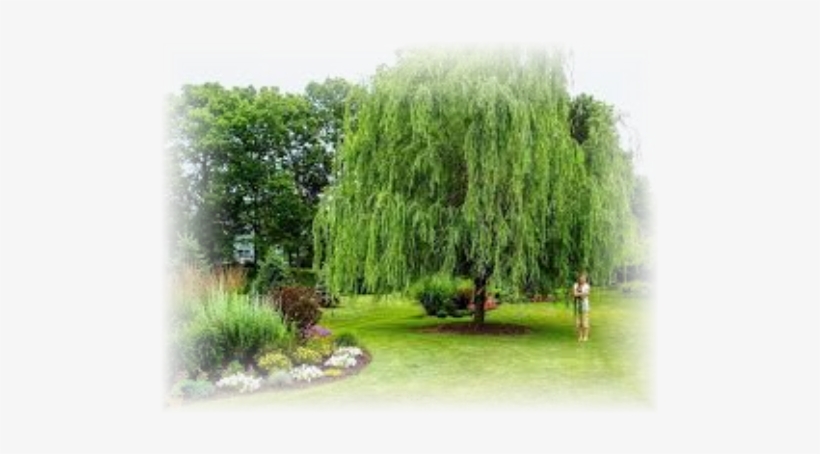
(362, 362)
(266, 387)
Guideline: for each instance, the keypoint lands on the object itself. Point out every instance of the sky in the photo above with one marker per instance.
(725, 98)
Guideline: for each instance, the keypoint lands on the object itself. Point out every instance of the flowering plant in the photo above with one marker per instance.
(344, 357)
(344, 361)
(305, 355)
(274, 361)
(241, 382)
(306, 373)
(317, 331)
(279, 378)
(192, 389)
(321, 345)
(351, 351)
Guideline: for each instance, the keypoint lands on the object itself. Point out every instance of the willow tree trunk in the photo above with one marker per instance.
(479, 299)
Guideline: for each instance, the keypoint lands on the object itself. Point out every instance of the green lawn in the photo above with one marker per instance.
(546, 366)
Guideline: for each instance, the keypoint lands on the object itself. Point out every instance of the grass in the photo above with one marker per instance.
(546, 366)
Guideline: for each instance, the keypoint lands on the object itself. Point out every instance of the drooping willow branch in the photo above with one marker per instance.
(469, 161)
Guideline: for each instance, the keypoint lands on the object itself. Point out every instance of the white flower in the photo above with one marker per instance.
(306, 372)
(341, 360)
(350, 351)
(241, 382)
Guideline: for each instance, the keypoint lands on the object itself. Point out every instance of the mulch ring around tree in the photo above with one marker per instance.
(361, 362)
(470, 328)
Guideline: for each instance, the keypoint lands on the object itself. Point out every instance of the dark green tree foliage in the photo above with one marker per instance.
(328, 103)
(273, 272)
(247, 161)
(462, 161)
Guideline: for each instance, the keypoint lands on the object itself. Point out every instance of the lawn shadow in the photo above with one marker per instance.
(506, 326)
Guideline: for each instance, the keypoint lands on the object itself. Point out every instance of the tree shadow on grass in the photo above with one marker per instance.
(427, 325)
(484, 329)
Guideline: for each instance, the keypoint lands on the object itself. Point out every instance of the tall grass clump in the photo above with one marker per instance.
(231, 278)
(192, 285)
(215, 324)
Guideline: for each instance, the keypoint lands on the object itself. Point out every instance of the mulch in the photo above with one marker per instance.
(470, 328)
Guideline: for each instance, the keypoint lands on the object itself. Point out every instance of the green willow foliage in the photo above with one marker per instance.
(607, 232)
(463, 161)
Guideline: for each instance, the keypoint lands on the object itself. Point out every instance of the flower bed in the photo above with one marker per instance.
(240, 382)
(310, 364)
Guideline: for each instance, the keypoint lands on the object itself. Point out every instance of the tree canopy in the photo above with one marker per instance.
(246, 161)
(477, 162)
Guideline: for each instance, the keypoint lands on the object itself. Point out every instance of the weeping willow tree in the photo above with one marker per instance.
(606, 232)
(463, 161)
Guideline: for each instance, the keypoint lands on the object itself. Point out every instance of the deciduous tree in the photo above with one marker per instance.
(464, 161)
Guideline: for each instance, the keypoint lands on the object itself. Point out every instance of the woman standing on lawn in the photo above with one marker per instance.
(580, 290)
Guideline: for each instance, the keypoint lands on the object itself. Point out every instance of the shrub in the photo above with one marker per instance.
(436, 294)
(304, 355)
(274, 361)
(306, 373)
(228, 327)
(304, 276)
(563, 295)
(248, 326)
(346, 340)
(198, 347)
(273, 271)
(324, 346)
(333, 372)
(279, 378)
(502, 293)
(464, 295)
(240, 382)
(193, 389)
(234, 367)
(298, 305)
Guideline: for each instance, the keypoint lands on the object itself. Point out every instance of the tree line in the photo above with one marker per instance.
(473, 162)
(250, 163)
